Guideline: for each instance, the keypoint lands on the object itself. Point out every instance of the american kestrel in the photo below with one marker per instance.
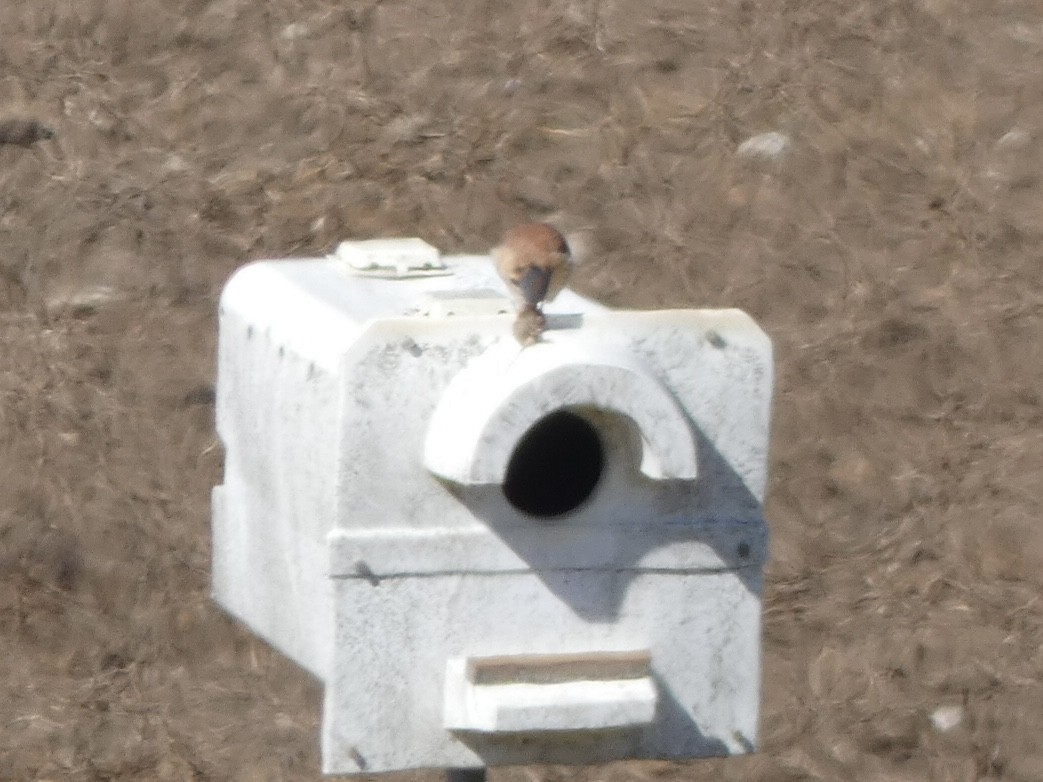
(534, 260)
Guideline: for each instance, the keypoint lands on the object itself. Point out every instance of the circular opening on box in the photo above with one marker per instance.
(555, 466)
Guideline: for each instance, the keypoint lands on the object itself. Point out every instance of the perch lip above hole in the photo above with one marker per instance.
(490, 405)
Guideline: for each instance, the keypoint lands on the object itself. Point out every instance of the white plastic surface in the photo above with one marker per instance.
(361, 527)
(526, 707)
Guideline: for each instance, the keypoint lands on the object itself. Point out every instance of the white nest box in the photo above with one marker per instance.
(492, 554)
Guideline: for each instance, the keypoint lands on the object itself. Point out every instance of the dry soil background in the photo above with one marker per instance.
(893, 252)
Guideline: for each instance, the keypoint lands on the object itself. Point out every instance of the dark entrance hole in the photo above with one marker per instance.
(555, 466)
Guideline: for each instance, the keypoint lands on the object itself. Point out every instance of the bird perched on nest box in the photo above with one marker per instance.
(534, 260)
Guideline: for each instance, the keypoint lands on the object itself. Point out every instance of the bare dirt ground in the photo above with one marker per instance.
(893, 252)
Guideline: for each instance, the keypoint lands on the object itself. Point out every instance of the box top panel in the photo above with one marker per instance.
(368, 295)
(322, 304)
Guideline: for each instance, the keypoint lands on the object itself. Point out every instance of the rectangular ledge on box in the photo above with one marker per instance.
(468, 303)
(533, 693)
